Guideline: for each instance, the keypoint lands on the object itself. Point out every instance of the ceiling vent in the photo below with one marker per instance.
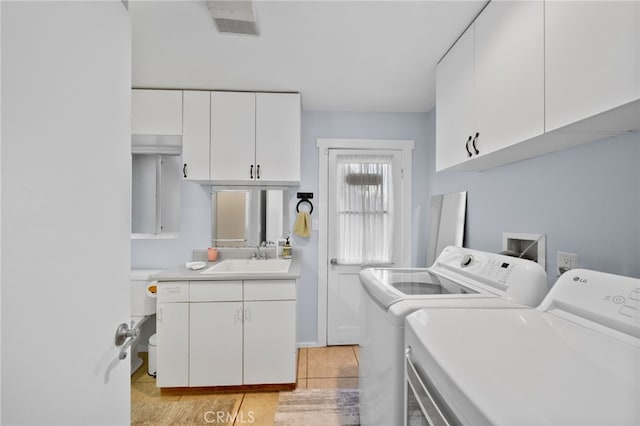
(234, 16)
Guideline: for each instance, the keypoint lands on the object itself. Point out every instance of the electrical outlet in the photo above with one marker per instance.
(566, 261)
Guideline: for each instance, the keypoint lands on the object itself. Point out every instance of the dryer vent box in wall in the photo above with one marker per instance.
(527, 246)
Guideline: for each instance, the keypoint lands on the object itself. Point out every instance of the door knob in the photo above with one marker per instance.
(334, 261)
(123, 332)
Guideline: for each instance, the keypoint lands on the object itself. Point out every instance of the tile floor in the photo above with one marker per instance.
(330, 367)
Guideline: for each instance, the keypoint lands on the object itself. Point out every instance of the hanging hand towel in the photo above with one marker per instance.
(302, 226)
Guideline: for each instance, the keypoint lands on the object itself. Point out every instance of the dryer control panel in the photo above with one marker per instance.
(607, 299)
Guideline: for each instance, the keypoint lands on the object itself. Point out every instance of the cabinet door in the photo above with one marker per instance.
(215, 344)
(233, 131)
(591, 58)
(172, 352)
(278, 136)
(454, 100)
(156, 112)
(195, 138)
(509, 74)
(270, 342)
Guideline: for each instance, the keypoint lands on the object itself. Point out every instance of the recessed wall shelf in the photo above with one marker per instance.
(527, 246)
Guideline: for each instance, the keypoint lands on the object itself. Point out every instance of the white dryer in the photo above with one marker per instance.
(460, 278)
(575, 360)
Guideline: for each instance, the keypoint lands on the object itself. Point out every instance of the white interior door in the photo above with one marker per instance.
(343, 282)
(66, 182)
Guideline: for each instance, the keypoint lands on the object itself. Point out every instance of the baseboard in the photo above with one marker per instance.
(310, 345)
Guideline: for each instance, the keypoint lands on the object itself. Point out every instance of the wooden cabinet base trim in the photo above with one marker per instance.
(228, 389)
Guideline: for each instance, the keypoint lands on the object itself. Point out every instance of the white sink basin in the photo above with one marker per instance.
(249, 266)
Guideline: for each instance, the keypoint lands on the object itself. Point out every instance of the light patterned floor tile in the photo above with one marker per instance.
(332, 361)
(302, 363)
(302, 383)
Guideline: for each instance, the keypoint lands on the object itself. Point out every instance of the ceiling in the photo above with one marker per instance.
(340, 55)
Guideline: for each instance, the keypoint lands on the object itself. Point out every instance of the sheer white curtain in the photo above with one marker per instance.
(365, 209)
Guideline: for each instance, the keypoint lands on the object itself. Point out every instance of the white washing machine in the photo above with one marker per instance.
(575, 360)
(459, 278)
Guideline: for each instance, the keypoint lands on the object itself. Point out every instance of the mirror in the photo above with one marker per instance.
(155, 194)
(246, 217)
(447, 223)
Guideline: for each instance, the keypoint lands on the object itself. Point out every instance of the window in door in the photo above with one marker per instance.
(365, 209)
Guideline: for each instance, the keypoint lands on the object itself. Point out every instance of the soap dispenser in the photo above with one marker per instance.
(286, 249)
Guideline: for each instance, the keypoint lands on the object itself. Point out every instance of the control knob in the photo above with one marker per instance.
(466, 260)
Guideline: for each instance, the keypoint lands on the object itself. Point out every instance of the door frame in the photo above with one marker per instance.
(324, 145)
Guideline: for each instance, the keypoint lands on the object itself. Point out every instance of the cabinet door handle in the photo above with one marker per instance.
(258, 171)
(251, 172)
(184, 170)
(474, 143)
(247, 314)
(466, 146)
(159, 314)
(238, 316)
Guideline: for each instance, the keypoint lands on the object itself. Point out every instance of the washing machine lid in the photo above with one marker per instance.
(459, 273)
(525, 367)
(388, 286)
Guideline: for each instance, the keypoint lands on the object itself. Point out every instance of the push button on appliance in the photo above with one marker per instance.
(618, 299)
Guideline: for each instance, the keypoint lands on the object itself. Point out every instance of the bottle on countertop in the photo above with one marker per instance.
(286, 249)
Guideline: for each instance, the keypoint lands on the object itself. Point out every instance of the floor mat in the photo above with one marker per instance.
(315, 407)
(216, 412)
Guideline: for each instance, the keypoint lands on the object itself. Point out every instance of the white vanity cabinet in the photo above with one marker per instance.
(490, 86)
(269, 332)
(591, 58)
(156, 112)
(255, 137)
(226, 333)
(172, 331)
(215, 333)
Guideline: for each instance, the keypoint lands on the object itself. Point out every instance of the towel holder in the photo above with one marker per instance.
(304, 198)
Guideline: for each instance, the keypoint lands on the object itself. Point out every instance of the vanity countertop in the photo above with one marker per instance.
(182, 273)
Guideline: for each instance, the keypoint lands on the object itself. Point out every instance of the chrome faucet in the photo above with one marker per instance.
(257, 253)
(266, 244)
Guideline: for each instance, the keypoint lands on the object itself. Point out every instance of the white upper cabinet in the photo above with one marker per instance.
(156, 112)
(490, 86)
(592, 58)
(233, 133)
(455, 99)
(509, 74)
(543, 76)
(255, 137)
(278, 136)
(195, 138)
